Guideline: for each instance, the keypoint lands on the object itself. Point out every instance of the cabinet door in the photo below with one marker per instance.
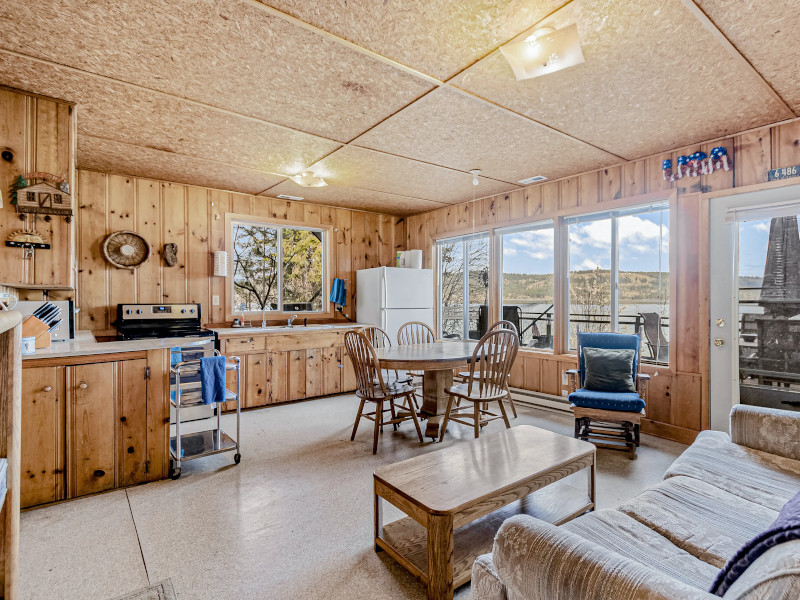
(314, 375)
(133, 421)
(256, 381)
(331, 371)
(296, 369)
(349, 382)
(92, 426)
(42, 451)
(277, 377)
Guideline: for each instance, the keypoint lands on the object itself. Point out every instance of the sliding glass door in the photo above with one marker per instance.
(463, 279)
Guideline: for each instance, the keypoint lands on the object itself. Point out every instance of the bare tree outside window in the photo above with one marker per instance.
(451, 277)
(256, 273)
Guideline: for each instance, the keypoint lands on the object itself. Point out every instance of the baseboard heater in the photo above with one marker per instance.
(539, 400)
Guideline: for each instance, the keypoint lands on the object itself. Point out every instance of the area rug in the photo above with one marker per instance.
(163, 590)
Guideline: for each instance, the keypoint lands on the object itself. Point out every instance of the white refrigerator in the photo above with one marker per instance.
(390, 297)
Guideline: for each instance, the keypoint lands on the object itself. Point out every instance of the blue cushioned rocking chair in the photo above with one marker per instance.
(617, 415)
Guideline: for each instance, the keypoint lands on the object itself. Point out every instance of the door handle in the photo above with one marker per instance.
(47, 388)
(719, 342)
(83, 385)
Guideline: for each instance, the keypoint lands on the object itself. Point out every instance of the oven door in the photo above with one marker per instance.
(192, 407)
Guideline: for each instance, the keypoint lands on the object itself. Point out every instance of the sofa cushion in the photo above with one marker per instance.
(626, 401)
(624, 535)
(765, 479)
(775, 575)
(702, 519)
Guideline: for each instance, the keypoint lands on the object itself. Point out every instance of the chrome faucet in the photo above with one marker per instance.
(291, 320)
(264, 317)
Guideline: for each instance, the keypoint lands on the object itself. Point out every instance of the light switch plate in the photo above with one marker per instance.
(564, 378)
(214, 300)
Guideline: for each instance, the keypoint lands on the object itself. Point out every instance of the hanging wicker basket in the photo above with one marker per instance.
(126, 249)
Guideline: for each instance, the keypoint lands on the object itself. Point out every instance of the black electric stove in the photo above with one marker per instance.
(141, 321)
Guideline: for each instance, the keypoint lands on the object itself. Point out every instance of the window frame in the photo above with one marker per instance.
(463, 239)
(614, 215)
(501, 232)
(232, 219)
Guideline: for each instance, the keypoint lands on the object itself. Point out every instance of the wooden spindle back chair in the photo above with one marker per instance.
(488, 381)
(373, 387)
(498, 326)
(415, 332)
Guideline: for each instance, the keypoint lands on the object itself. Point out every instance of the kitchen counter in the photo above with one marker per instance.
(85, 344)
(272, 329)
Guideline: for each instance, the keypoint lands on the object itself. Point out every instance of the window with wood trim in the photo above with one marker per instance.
(277, 267)
(527, 283)
(619, 275)
(463, 281)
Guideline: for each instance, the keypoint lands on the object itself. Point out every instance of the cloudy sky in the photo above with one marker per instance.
(753, 238)
(590, 246)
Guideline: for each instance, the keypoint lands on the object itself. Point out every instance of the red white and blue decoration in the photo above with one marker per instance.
(697, 164)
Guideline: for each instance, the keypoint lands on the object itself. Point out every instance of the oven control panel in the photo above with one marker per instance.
(137, 312)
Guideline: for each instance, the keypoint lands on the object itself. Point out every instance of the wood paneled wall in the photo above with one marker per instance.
(194, 219)
(678, 406)
(40, 132)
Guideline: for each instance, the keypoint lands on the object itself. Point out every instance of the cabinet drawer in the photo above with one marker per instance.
(244, 343)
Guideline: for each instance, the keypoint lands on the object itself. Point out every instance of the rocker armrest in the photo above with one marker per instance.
(767, 429)
(535, 559)
(573, 380)
(642, 385)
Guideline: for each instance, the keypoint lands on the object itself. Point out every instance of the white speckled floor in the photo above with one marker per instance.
(293, 520)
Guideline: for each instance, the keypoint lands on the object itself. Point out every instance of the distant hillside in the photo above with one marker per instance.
(634, 287)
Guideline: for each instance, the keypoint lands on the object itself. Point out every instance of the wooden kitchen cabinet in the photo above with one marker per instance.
(313, 372)
(331, 370)
(88, 427)
(92, 428)
(288, 366)
(296, 374)
(43, 446)
(277, 377)
(255, 391)
(132, 406)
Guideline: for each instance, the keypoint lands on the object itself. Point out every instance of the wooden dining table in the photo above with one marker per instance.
(437, 361)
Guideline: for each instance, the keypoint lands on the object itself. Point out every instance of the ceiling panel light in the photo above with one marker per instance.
(308, 179)
(544, 51)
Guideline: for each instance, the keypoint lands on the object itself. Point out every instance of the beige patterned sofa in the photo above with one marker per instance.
(670, 541)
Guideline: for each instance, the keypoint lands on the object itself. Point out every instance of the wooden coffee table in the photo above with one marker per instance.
(457, 498)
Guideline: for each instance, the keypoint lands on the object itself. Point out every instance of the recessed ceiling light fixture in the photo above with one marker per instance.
(544, 51)
(308, 179)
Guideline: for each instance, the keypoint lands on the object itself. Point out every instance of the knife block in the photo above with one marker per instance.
(33, 327)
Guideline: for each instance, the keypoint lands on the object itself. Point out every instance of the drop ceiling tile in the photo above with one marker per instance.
(654, 78)
(450, 129)
(365, 169)
(228, 54)
(765, 32)
(115, 157)
(355, 198)
(436, 37)
(128, 114)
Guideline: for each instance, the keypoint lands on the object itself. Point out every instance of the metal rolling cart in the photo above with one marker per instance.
(189, 446)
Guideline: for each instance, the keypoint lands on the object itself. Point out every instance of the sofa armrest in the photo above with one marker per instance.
(766, 429)
(537, 560)
(486, 583)
(573, 379)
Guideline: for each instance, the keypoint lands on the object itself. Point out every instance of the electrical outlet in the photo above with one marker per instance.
(565, 393)
(214, 300)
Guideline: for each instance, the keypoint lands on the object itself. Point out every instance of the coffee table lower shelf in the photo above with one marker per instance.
(406, 541)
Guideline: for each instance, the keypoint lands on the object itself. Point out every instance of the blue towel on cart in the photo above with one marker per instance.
(212, 379)
(339, 292)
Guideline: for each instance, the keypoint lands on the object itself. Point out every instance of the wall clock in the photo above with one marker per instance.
(126, 249)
